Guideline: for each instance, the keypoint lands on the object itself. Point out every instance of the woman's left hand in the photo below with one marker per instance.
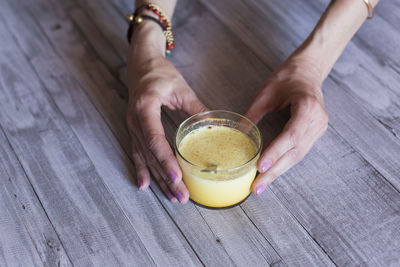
(297, 83)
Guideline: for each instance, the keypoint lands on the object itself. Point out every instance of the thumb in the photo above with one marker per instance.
(259, 106)
(192, 105)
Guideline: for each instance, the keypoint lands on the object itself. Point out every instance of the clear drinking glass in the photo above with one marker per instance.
(215, 188)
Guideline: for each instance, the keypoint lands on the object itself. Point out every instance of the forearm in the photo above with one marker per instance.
(336, 27)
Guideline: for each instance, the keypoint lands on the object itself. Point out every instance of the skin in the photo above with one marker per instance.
(154, 82)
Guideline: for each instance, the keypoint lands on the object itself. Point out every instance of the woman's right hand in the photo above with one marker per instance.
(155, 82)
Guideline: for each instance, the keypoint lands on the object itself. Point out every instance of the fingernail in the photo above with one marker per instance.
(140, 184)
(260, 188)
(266, 165)
(173, 176)
(179, 196)
(170, 195)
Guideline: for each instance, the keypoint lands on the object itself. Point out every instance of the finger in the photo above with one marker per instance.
(192, 105)
(181, 192)
(259, 106)
(163, 186)
(154, 136)
(142, 172)
(142, 158)
(292, 133)
(178, 190)
(288, 160)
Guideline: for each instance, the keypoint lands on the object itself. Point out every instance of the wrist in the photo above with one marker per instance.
(303, 67)
(148, 41)
(310, 57)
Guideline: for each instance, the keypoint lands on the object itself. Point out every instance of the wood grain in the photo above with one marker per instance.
(65, 150)
(197, 243)
(15, 243)
(23, 204)
(221, 77)
(193, 51)
(167, 244)
(347, 114)
(89, 222)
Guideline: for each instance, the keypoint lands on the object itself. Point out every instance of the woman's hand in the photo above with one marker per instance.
(297, 83)
(155, 82)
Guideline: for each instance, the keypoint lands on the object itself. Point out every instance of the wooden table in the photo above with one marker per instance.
(67, 183)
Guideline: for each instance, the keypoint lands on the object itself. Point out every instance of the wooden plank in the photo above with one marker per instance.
(90, 224)
(114, 33)
(23, 201)
(182, 217)
(16, 246)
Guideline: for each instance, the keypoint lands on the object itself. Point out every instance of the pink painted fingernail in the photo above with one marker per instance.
(260, 188)
(179, 196)
(173, 177)
(170, 196)
(265, 166)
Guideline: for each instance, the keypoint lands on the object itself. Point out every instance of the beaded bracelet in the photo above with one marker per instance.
(163, 21)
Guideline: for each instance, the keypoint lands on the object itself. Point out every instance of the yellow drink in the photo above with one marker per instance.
(217, 157)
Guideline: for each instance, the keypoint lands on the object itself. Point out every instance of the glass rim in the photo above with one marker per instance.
(222, 111)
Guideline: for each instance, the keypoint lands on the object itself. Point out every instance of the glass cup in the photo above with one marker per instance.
(215, 188)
